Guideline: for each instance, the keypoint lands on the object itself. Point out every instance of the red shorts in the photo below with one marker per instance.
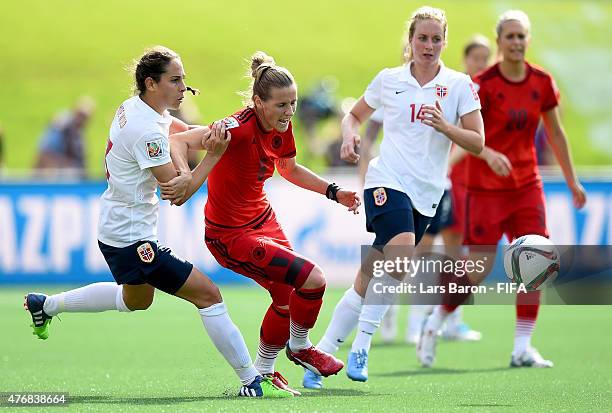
(458, 194)
(489, 215)
(262, 252)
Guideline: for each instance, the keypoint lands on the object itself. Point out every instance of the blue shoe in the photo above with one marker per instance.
(462, 332)
(311, 380)
(357, 365)
(34, 303)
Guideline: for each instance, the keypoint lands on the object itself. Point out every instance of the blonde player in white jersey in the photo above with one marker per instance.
(137, 159)
(423, 102)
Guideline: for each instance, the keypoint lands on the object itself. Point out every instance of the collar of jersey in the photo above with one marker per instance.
(149, 112)
(440, 78)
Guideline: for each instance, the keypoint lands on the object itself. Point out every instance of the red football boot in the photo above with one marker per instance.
(315, 360)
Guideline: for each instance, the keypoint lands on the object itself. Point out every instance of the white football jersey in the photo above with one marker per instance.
(413, 156)
(129, 206)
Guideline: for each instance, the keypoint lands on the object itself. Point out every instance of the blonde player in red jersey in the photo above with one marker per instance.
(505, 193)
(242, 232)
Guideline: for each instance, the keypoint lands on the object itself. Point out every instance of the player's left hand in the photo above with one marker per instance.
(175, 189)
(434, 117)
(578, 194)
(349, 199)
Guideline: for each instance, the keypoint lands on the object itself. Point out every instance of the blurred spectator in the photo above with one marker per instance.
(190, 114)
(61, 147)
(317, 106)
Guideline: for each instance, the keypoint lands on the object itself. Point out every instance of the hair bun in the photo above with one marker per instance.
(260, 59)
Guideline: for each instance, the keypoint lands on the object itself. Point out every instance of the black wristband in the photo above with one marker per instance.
(332, 191)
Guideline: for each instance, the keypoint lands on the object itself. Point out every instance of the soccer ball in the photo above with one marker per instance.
(532, 260)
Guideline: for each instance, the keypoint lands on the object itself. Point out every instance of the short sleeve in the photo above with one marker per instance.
(469, 100)
(373, 93)
(152, 150)
(551, 94)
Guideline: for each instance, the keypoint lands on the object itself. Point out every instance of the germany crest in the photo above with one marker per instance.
(146, 253)
(380, 196)
(441, 91)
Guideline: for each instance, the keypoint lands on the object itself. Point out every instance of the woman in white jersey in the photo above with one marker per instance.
(423, 102)
(137, 158)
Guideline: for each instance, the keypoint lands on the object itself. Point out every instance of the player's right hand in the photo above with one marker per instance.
(348, 149)
(175, 189)
(497, 161)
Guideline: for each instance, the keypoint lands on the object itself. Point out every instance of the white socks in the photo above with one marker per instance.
(266, 356)
(436, 319)
(522, 335)
(372, 314)
(298, 338)
(228, 341)
(344, 320)
(92, 298)
(454, 320)
(416, 317)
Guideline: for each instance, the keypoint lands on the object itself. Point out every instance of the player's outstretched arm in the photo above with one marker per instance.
(181, 142)
(303, 177)
(560, 147)
(215, 141)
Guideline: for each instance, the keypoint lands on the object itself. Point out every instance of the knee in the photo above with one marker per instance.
(403, 242)
(138, 303)
(209, 297)
(316, 279)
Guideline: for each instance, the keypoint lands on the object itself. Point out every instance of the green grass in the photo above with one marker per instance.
(161, 360)
(53, 52)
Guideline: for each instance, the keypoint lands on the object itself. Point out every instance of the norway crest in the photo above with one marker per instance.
(441, 91)
(146, 253)
(380, 196)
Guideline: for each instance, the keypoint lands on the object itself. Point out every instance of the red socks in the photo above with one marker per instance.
(275, 326)
(304, 306)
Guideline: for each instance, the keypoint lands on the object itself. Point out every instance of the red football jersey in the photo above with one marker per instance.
(457, 174)
(511, 112)
(236, 195)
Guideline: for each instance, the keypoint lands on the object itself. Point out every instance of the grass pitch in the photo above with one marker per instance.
(162, 360)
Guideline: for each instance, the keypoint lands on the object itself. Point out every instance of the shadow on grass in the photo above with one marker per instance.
(438, 371)
(340, 392)
(144, 400)
(166, 400)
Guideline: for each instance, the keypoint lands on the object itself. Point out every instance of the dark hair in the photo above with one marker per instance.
(153, 64)
(266, 75)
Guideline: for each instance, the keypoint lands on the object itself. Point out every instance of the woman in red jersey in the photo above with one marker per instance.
(505, 193)
(242, 232)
